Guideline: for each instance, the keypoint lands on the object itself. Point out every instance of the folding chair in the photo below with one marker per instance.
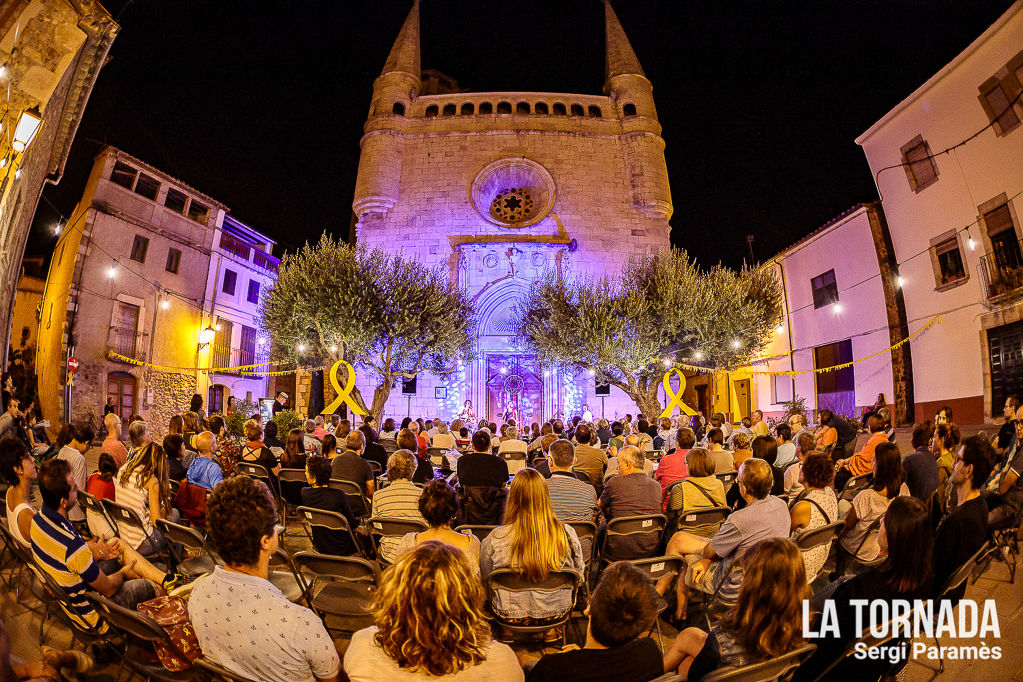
(292, 481)
(438, 457)
(51, 594)
(480, 531)
(824, 535)
(854, 485)
(765, 671)
(727, 479)
(260, 473)
(699, 519)
(357, 500)
(126, 516)
(382, 527)
(174, 486)
(20, 557)
(204, 559)
(284, 576)
(218, 673)
(134, 625)
(334, 522)
(96, 513)
(339, 586)
(1006, 545)
(956, 580)
(645, 524)
(390, 446)
(656, 568)
(586, 531)
(512, 581)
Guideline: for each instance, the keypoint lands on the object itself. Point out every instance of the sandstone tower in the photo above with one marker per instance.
(503, 187)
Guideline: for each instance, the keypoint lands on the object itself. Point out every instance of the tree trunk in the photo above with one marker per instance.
(380, 396)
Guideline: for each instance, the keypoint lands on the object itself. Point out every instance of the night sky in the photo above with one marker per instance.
(760, 100)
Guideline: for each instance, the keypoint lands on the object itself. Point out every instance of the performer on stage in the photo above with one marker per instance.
(468, 414)
(512, 412)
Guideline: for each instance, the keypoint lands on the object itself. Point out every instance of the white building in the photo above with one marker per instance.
(948, 161)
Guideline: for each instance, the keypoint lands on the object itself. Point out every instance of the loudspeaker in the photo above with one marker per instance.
(408, 386)
(602, 388)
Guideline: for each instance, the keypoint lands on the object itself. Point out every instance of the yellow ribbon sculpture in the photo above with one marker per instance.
(342, 393)
(676, 398)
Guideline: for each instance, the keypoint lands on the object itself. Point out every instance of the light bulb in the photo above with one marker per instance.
(3, 162)
(546, 374)
(504, 370)
(218, 327)
(301, 348)
(900, 281)
(972, 243)
(260, 341)
(780, 329)
(56, 229)
(111, 272)
(165, 304)
(333, 349)
(699, 355)
(735, 344)
(667, 364)
(838, 308)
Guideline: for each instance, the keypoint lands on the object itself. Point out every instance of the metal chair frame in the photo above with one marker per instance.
(384, 527)
(656, 568)
(329, 520)
(337, 574)
(354, 492)
(764, 671)
(91, 503)
(657, 524)
(511, 580)
(854, 485)
(120, 513)
(480, 531)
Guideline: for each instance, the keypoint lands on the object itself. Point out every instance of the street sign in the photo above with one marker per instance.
(72, 364)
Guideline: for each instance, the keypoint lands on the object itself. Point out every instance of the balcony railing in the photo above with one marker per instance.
(232, 356)
(128, 342)
(1002, 271)
(259, 258)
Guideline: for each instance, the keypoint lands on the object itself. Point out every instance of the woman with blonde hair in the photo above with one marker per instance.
(193, 427)
(143, 484)
(429, 624)
(532, 542)
(176, 425)
(765, 622)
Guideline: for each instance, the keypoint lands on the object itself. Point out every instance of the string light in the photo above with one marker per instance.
(899, 281)
(667, 363)
(260, 341)
(17, 174)
(56, 228)
(333, 349)
(165, 304)
(301, 348)
(735, 344)
(111, 272)
(838, 308)
(780, 329)
(699, 355)
(972, 244)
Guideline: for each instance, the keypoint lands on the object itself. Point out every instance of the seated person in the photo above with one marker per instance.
(350, 466)
(112, 444)
(571, 498)
(741, 442)
(429, 625)
(374, 451)
(256, 452)
(319, 495)
(617, 441)
(480, 468)
(204, 471)
(612, 462)
(621, 611)
(242, 621)
(701, 490)
(630, 493)
(46, 669)
(919, 467)
(786, 448)
(399, 500)
(443, 438)
(178, 458)
(589, 460)
(541, 461)
(533, 542)
(755, 628)
(513, 450)
(463, 439)
(1006, 485)
(862, 461)
(710, 562)
(438, 505)
(906, 540)
(816, 507)
(109, 567)
(724, 462)
(964, 530)
(869, 505)
(407, 440)
(18, 470)
(142, 485)
(101, 483)
(672, 466)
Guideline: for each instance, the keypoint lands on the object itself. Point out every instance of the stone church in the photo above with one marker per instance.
(500, 188)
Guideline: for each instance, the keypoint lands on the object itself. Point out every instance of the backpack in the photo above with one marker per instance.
(171, 614)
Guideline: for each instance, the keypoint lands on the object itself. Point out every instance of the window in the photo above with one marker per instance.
(577, 110)
(504, 107)
(594, 111)
(230, 277)
(175, 201)
(629, 109)
(1005, 248)
(123, 175)
(950, 261)
(559, 109)
(449, 109)
(486, 108)
(467, 109)
(147, 186)
(139, 248)
(825, 290)
(247, 354)
(198, 212)
(253, 294)
(431, 110)
(781, 389)
(920, 167)
(541, 107)
(998, 106)
(173, 261)
(215, 403)
(398, 108)
(222, 344)
(522, 108)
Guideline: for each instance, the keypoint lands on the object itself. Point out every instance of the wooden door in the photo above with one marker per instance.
(121, 387)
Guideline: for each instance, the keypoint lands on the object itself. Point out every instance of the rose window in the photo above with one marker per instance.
(512, 205)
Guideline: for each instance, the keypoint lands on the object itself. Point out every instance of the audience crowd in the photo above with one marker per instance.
(548, 511)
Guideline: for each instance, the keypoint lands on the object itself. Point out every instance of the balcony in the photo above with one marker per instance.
(232, 356)
(1002, 272)
(247, 252)
(128, 342)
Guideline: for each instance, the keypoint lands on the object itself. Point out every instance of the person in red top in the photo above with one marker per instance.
(101, 484)
(673, 466)
(863, 461)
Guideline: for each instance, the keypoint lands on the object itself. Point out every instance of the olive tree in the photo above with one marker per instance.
(390, 315)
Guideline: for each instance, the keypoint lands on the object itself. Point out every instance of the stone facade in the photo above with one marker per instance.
(499, 189)
(172, 392)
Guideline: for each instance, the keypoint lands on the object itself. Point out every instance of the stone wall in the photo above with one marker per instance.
(171, 395)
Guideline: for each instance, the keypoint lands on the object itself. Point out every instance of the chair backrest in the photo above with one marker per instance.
(375, 467)
(855, 485)
(182, 535)
(389, 445)
(17, 549)
(764, 671)
(337, 568)
(292, 476)
(381, 526)
(963, 572)
(872, 529)
(658, 567)
(353, 491)
(727, 478)
(703, 517)
(92, 504)
(328, 520)
(818, 536)
(218, 673)
(481, 505)
(586, 530)
(132, 622)
(510, 580)
(253, 470)
(481, 532)
(173, 486)
(121, 514)
(637, 525)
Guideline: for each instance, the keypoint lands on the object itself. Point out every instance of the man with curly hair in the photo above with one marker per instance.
(241, 620)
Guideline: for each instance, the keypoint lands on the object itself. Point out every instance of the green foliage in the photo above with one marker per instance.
(390, 314)
(660, 307)
(286, 421)
(795, 406)
(236, 418)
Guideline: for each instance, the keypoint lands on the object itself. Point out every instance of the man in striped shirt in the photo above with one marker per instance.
(572, 499)
(399, 500)
(77, 565)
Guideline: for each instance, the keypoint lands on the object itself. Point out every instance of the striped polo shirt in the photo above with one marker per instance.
(61, 552)
(400, 500)
(572, 499)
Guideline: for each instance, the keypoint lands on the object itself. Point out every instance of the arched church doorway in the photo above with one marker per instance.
(514, 388)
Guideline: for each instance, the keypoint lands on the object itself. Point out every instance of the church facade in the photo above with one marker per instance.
(501, 188)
